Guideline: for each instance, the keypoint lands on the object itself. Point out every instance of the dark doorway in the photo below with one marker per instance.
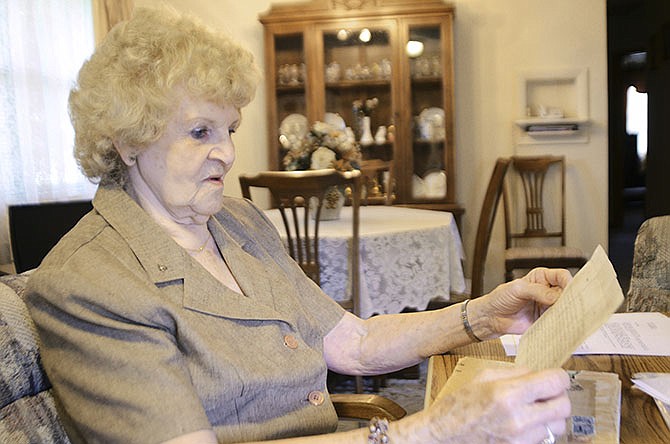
(638, 43)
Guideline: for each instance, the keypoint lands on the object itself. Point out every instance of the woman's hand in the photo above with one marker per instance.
(500, 406)
(512, 307)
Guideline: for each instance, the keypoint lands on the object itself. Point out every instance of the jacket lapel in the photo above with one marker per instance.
(164, 261)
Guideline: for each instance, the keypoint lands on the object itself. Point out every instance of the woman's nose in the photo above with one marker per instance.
(223, 152)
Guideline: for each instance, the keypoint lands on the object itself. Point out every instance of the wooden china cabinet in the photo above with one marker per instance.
(322, 56)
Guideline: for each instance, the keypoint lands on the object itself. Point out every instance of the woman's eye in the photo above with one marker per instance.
(231, 131)
(200, 133)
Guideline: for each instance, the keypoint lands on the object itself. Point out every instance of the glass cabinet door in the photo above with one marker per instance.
(384, 75)
(291, 90)
(357, 78)
(429, 169)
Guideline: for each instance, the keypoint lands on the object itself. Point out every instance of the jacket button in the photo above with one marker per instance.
(291, 342)
(315, 398)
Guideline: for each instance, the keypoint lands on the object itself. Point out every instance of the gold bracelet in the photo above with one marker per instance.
(378, 428)
(466, 323)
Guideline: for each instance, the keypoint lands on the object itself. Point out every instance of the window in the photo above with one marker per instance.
(42, 46)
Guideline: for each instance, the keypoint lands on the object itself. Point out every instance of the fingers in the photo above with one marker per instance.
(505, 405)
(545, 384)
(542, 294)
(555, 277)
(535, 400)
(548, 402)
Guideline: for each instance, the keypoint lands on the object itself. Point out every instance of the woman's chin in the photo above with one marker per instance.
(209, 206)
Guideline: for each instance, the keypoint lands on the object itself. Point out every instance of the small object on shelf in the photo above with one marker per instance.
(550, 112)
(333, 72)
(390, 133)
(380, 135)
(366, 136)
(386, 68)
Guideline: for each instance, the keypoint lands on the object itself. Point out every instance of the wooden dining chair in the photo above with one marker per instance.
(537, 245)
(378, 182)
(487, 217)
(292, 191)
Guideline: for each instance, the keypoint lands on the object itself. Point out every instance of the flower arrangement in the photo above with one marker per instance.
(324, 146)
(365, 107)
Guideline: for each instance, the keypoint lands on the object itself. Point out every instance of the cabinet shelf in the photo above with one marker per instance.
(348, 84)
(432, 81)
(290, 89)
(564, 129)
(524, 123)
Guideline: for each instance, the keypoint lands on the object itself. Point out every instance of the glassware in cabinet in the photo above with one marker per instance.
(358, 84)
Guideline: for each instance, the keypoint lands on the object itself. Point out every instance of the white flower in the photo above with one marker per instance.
(322, 128)
(322, 157)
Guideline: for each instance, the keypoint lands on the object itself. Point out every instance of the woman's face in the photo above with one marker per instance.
(182, 173)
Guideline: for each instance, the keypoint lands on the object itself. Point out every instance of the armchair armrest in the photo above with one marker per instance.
(366, 406)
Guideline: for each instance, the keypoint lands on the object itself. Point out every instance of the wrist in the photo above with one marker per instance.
(416, 428)
(473, 316)
(466, 322)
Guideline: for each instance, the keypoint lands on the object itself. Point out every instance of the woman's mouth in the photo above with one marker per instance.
(217, 179)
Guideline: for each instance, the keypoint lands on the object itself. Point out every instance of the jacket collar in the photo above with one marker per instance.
(164, 261)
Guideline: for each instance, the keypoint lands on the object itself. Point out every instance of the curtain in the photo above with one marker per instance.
(42, 47)
(107, 13)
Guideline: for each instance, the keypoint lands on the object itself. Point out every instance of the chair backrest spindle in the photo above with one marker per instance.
(304, 194)
(537, 176)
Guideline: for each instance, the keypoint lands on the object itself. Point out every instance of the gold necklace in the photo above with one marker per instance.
(199, 249)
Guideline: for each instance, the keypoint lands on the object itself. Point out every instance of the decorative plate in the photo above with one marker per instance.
(418, 187)
(435, 183)
(431, 123)
(294, 126)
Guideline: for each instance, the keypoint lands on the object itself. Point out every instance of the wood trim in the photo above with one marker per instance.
(329, 9)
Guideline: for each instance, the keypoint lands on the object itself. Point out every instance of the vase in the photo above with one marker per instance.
(332, 204)
(366, 136)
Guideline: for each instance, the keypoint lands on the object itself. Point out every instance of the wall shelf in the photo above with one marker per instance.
(561, 92)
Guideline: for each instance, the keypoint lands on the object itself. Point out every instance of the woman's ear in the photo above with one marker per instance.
(127, 153)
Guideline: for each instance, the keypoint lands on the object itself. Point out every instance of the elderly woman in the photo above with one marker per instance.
(171, 313)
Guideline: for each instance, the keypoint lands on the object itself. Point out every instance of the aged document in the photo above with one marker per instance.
(585, 304)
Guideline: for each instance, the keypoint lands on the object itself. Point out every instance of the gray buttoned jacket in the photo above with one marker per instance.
(142, 344)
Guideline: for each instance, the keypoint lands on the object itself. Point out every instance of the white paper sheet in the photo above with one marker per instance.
(656, 385)
(643, 334)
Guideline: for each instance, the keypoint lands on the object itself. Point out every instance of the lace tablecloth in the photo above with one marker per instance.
(408, 257)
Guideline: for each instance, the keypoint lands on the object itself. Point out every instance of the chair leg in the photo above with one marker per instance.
(378, 382)
(359, 384)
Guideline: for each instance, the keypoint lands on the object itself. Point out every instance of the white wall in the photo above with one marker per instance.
(494, 42)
